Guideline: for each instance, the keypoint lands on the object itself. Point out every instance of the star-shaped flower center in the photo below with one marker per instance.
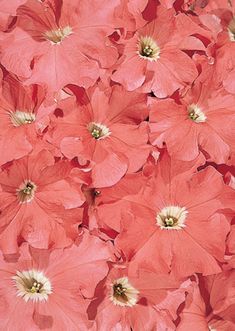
(26, 191)
(196, 114)
(123, 293)
(32, 285)
(56, 36)
(172, 218)
(148, 49)
(19, 118)
(98, 130)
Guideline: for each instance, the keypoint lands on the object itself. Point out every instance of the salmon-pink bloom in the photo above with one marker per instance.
(231, 249)
(107, 132)
(152, 59)
(211, 305)
(34, 195)
(144, 302)
(102, 202)
(224, 51)
(22, 118)
(62, 45)
(8, 11)
(193, 316)
(49, 289)
(116, 197)
(204, 121)
(174, 224)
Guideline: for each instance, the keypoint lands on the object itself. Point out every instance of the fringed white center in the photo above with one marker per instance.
(148, 49)
(196, 114)
(211, 328)
(123, 293)
(19, 118)
(26, 191)
(56, 36)
(172, 218)
(32, 285)
(231, 30)
(98, 130)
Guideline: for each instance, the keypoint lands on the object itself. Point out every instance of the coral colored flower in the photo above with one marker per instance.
(144, 302)
(193, 316)
(205, 121)
(152, 59)
(62, 45)
(222, 300)
(34, 195)
(8, 11)
(107, 133)
(116, 197)
(128, 15)
(211, 305)
(113, 199)
(49, 289)
(174, 224)
(22, 118)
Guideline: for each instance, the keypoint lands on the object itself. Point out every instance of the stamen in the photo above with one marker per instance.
(123, 293)
(56, 36)
(26, 191)
(172, 218)
(19, 118)
(148, 49)
(96, 193)
(32, 285)
(98, 131)
(196, 114)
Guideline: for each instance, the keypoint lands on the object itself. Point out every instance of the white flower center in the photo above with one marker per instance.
(123, 293)
(32, 285)
(19, 118)
(231, 30)
(148, 49)
(211, 328)
(172, 218)
(196, 114)
(98, 131)
(56, 36)
(26, 191)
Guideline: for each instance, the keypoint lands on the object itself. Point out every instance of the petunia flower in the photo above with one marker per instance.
(175, 224)
(34, 197)
(203, 122)
(152, 59)
(107, 132)
(48, 290)
(211, 304)
(144, 302)
(61, 45)
(23, 118)
(8, 11)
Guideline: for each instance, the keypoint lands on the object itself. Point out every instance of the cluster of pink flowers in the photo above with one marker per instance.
(117, 154)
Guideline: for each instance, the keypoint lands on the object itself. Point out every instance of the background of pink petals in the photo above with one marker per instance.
(117, 150)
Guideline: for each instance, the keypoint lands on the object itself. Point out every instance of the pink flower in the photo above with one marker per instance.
(204, 121)
(49, 289)
(107, 133)
(34, 196)
(8, 11)
(173, 223)
(62, 45)
(142, 302)
(211, 305)
(152, 59)
(23, 118)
